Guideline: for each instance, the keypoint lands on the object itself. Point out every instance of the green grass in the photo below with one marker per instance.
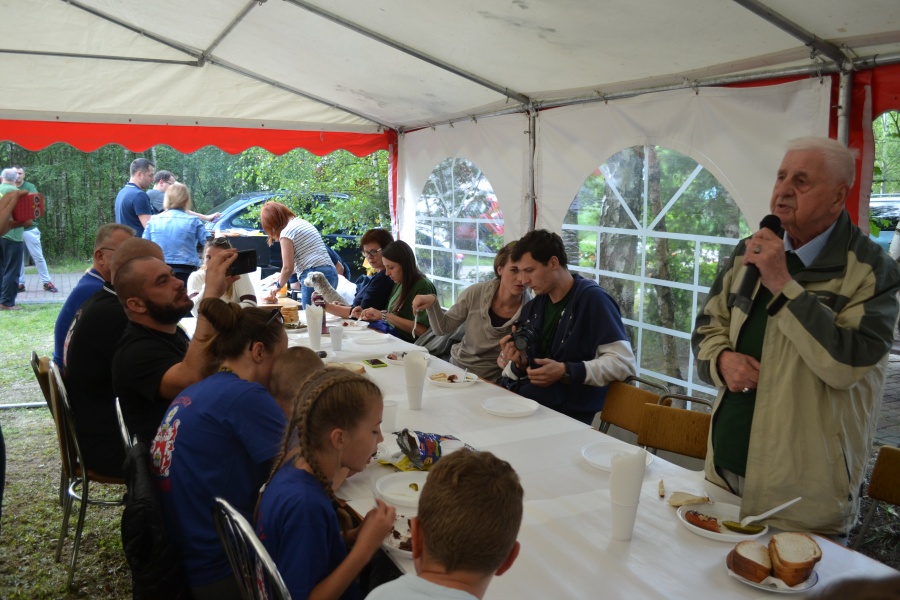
(63, 265)
(23, 331)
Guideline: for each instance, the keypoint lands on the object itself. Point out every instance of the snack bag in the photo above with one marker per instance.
(421, 449)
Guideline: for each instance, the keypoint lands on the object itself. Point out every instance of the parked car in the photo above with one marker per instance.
(240, 215)
(885, 210)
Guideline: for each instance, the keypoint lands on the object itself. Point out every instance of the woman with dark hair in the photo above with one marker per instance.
(302, 248)
(177, 232)
(488, 310)
(241, 291)
(409, 282)
(376, 291)
(218, 438)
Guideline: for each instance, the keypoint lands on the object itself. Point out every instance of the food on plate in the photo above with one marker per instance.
(355, 367)
(750, 560)
(414, 487)
(681, 498)
(794, 556)
(750, 528)
(397, 355)
(702, 521)
(443, 377)
(790, 557)
(401, 541)
(662, 489)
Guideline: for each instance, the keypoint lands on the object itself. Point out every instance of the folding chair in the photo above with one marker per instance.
(41, 367)
(254, 569)
(127, 440)
(674, 430)
(884, 486)
(623, 406)
(76, 474)
(668, 400)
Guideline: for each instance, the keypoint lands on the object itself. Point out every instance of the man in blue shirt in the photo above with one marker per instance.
(108, 238)
(133, 206)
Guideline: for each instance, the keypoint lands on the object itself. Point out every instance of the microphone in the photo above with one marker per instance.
(751, 274)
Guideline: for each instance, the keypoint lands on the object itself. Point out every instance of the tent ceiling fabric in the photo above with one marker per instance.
(340, 65)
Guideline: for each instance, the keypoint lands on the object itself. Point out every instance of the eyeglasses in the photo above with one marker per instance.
(371, 253)
(276, 315)
(220, 242)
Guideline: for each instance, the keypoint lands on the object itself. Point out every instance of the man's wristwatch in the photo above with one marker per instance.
(566, 379)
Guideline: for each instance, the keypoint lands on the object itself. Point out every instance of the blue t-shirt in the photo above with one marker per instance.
(218, 438)
(86, 287)
(131, 202)
(375, 293)
(300, 530)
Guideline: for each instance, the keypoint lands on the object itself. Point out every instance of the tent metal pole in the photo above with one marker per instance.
(228, 29)
(845, 101)
(512, 94)
(532, 184)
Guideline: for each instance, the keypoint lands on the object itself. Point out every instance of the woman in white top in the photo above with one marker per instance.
(302, 248)
(488, 309)
(241, 291)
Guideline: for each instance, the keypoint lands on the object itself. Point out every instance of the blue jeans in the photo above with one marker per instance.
(11, 254)
(328, 271)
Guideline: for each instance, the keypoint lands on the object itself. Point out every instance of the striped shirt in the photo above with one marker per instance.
(309, 248)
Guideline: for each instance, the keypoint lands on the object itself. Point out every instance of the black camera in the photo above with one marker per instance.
(524, 336)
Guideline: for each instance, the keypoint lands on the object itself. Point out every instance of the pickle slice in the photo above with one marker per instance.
(748, 529)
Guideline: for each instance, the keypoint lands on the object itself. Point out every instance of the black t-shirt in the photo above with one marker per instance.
(140, 361)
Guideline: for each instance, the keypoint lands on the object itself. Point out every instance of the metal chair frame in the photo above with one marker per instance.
(41, 367)
(884, 486)
(76, 474)
(253, 568)
(127, 440)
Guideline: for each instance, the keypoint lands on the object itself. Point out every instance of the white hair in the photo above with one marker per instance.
(9, 174)
(839, 159)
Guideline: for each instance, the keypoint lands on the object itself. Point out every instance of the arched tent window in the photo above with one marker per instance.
(652, 226)
(459, 228)
(884, 202)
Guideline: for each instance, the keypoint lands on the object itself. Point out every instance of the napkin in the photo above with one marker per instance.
(313, 315)
(626, 476)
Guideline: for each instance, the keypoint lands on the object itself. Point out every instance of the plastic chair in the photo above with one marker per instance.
(674, 429)
(623, 406)
(884, 486)
(76, 474)
(127, 439)
(254, 569)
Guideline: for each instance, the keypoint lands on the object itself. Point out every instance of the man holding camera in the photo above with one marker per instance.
(570, 342)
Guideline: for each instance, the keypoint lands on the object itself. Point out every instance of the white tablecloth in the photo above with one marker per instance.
(567, 551)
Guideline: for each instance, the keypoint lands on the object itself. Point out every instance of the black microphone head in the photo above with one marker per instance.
(772, 223)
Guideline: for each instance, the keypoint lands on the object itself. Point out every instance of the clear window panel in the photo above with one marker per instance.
(670, 260)
(665, 354)
(664, 306)
(620, 253)
(444, 293)
(626, 293)
(713, 258)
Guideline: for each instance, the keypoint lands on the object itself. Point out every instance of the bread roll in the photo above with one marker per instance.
(794, 556)
(750, 560)
(682, 498)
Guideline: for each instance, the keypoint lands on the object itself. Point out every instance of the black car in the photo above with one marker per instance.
(885, 211)
(240, 214)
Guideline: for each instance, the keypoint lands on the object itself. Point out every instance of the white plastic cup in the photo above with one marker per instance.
(315, 338)
(623, 516)
(414, 396)
(389, 417)
(337, 335)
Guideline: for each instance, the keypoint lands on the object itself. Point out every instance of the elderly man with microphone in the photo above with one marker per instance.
(795, 334)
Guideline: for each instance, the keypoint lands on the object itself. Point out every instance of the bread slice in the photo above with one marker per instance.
(682, 498)
(750, 560)
(794, 556)
(355, 367)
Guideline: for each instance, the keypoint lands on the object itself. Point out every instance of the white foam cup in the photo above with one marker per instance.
(337, 335)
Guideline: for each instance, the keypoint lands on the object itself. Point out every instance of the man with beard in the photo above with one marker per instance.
(155, 360)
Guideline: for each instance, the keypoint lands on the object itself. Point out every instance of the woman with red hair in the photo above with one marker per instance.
(302, 247)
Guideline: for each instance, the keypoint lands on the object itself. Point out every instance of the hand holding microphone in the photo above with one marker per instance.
(765, 259)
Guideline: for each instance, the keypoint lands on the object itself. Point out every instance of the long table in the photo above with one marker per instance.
(567, 550)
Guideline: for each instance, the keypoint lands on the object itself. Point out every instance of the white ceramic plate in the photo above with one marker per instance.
(469, 380)
(395, 489)
(391, 543)
(399, 361)
(769, 583)
(369, 340)
(722, 512)
(510, 406)
(599, 454)
(353, 326)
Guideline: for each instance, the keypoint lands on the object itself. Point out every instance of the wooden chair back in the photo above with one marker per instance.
(884, 486)
(623, 406)
(674, 430)
(41, 367)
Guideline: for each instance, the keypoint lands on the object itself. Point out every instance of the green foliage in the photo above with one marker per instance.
(886, 173)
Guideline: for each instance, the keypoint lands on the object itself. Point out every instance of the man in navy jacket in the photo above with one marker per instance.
(578, 343)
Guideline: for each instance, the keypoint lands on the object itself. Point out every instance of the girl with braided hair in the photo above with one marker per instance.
(218, 438)
(335, 425)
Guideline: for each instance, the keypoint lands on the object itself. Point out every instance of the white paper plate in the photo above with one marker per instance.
(399, 361)
(369, 340)
(469, 380)
(599, 454)
(510, 406)
(770, 584)
(395, 488)
(351, 326)
(721, 511)
(392, 544)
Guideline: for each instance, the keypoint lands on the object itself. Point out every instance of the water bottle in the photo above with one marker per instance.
(319, 300)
